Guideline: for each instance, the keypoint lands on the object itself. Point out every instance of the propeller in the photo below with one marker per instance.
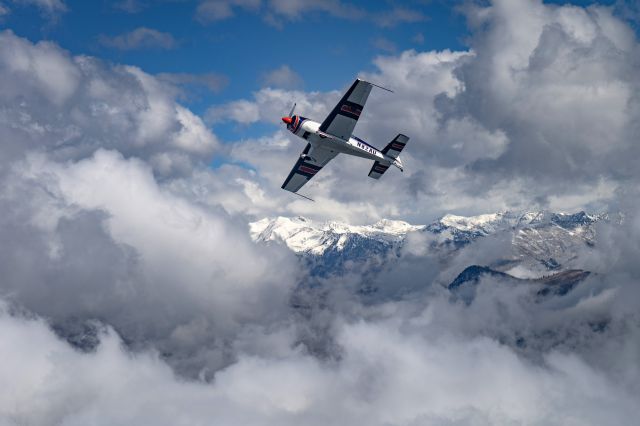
(287, 119)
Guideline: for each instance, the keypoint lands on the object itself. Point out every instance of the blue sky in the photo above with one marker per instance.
(325, 48)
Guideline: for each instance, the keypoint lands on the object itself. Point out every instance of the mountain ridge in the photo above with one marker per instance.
(541, 241)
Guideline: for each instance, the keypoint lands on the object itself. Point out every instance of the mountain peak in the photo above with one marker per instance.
(303, 235)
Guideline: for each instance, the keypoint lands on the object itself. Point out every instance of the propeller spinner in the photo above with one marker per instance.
(287, 119)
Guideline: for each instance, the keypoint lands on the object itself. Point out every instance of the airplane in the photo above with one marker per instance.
(335, 135)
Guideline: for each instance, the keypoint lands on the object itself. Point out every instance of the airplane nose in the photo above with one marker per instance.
(286, 120)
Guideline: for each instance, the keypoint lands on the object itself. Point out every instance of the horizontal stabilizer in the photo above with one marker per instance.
(378, 169)
(395, 147)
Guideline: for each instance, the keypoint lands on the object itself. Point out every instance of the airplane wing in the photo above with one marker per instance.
(342, 120)
(311, 161)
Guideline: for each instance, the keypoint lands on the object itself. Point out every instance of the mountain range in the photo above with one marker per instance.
(529, 246)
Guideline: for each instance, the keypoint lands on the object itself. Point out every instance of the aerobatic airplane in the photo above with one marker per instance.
(334, 136)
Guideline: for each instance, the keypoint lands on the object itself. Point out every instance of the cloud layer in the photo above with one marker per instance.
(124, 241)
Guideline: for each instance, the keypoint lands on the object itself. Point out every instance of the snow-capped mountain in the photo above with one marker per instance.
(305, 236)
(331, 247)
(540, 241)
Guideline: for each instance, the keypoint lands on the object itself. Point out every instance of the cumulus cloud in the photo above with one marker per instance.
(394, 368)
(140, 38)
(70, 106)
(86, 142)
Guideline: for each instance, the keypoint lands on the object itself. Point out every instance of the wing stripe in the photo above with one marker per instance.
(311, 166)
(310, 162)
(344, 116)
(325, 124)
(350, 109)
(295, 170)
(306, 169)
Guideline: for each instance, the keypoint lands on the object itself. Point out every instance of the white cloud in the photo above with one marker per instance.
(43, 68)
(277, 11)
(218, 10)
(49, 7)
(282, 77)
(114, 244)
(140, 38)
(79, 104)
(295, 9)
(87, 149)
(389, 372)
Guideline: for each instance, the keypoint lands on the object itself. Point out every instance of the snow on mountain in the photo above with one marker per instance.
(332, 247)
(541, 241)
(305, 236)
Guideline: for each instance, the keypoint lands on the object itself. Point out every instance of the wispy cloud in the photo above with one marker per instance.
(140, 38)
(295, 9)
(217, 10)
(211, 81)
(130, 6)
(282, 77)
(51, 8)
(276, 12)
(385, 44)
(397, 16)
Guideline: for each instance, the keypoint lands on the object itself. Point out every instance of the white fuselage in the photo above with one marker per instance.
(353, 146)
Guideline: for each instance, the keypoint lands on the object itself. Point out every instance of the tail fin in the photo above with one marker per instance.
(392, 150)
(396, 146)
